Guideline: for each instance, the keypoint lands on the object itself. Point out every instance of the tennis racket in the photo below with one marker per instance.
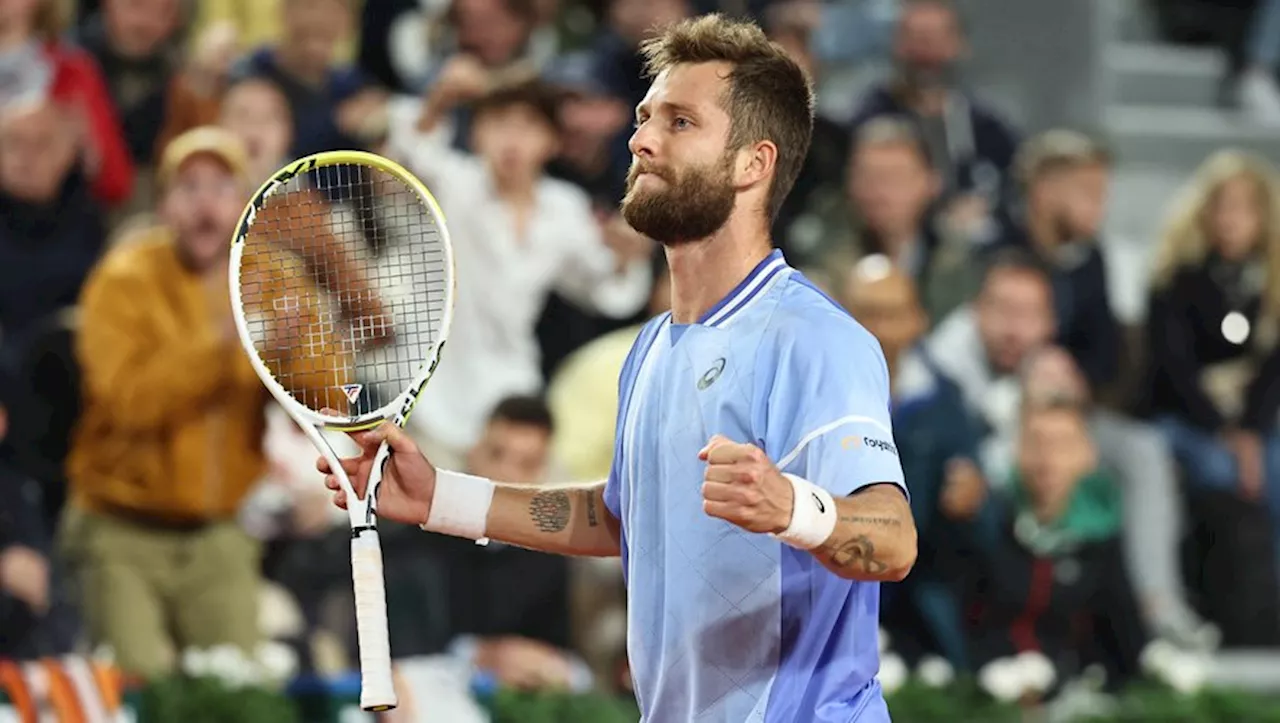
(342, 285)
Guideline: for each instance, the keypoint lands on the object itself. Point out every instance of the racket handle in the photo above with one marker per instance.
(377, 690)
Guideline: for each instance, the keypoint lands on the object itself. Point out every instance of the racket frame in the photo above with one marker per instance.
(377, 688)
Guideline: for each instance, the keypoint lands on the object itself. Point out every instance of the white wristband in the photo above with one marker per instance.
(460, 506)
(813, 515)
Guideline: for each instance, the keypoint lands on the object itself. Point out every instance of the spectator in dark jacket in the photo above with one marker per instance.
(136, 45)
(1064, 176)
(985, 349)
(24, 568)
(595, 126)
(616, 48)
(1050, 576)
(1214, 321)
(886, 207)
(51, 228)
(824, 166)
(333, 105)
(971, 147)
(34, 617)
(504, 609)
(938, 444)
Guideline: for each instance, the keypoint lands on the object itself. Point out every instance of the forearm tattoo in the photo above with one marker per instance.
(855, 552)
(550, 510)
(883, 521)
(592, 518)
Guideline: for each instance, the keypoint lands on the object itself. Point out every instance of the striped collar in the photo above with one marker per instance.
(747, 290)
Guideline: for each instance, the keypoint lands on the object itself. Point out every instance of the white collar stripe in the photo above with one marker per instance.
(748, 293)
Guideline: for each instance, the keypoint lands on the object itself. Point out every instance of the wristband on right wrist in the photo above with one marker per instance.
(813, 515)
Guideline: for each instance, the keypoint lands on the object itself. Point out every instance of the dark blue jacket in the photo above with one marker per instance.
(46, 250)
(1087, 326)
(983, 145)
(314, 126)
(931, 427)
(25, 634)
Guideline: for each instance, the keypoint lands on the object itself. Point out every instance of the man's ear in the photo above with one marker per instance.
(757, 162)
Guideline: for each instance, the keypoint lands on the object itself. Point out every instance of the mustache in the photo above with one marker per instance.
(639, 167)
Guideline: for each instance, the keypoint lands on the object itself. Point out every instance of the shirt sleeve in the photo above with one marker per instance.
(626, 380)
(823, 410)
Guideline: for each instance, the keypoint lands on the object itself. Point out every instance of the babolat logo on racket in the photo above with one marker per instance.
(352, 391)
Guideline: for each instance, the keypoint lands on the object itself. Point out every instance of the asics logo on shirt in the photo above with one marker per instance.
(710, 376)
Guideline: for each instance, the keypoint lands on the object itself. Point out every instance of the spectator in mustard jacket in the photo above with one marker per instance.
(170, 439)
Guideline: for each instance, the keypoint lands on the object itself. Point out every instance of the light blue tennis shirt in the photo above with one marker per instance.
(723, 624)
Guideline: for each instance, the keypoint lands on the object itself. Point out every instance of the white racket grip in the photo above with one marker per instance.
(377, 690)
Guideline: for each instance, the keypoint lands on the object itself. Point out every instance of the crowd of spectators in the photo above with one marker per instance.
(1081, 486)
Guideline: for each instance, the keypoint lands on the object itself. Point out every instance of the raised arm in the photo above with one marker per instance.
(874, 537)
(147, 384)
(868, 535)
(827, 479)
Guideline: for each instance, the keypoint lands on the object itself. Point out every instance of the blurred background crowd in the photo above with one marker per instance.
(1059, 219)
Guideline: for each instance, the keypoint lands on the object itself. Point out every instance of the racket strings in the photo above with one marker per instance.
(344, 282)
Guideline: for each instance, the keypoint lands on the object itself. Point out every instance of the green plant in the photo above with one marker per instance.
(208, 699)
(1156, 704)
(959, 702)
(509, 706)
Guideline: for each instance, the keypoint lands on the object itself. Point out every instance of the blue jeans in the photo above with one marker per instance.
(1209, 465)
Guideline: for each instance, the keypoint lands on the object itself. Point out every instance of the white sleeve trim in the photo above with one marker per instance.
(791, 456)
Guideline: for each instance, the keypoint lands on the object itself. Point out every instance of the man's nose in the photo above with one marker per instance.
(644, 141)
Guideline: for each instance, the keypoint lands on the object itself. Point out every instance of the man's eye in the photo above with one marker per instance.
(681, 123)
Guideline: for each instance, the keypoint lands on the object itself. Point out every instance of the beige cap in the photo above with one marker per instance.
(212, 140)
(1058, 148)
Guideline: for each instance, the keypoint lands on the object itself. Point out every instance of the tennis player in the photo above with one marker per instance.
(756, 495)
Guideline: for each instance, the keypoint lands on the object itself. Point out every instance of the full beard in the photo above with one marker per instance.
(925, 77)
(693, 205)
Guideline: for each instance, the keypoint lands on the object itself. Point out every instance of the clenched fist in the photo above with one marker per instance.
(742, 486)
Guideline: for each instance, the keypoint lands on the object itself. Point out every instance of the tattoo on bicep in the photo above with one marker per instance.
(550, 510)
(592, 518)
(861, 520)
(857, 551)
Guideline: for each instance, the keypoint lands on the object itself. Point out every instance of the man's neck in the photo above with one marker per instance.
(515, 191)
(930, 102)
(703, 272)
(299, 72)
(898, 242)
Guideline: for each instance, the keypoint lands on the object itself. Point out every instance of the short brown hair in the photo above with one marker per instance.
(531, 93)
(892, 131)
(52, 18)
(525, 10)
(770, 97)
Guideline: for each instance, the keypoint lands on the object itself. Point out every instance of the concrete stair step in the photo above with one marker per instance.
(1159, 74)
(1181, 137)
